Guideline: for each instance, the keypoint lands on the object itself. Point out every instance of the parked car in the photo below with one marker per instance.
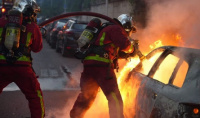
(49, 28)
(6, 6)
(53, 30)
(47, 31)
(60, 35)
(167, 83)
(67, 40)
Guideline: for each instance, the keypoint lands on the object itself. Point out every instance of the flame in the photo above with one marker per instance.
(179, 39)
(129, 88)
(156, 44)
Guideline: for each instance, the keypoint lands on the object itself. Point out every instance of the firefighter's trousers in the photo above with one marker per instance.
(25, 79)
(91, 79)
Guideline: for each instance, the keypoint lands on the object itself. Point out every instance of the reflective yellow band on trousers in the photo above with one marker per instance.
(98, 58)
(23, 58)
(41, 102)
(116, 101)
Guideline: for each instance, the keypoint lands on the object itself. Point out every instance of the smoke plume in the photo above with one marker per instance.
(167, 18)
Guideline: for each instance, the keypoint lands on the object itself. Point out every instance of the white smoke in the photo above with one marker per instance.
(166, 17)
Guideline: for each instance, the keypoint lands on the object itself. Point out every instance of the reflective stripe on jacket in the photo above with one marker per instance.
(118, 39)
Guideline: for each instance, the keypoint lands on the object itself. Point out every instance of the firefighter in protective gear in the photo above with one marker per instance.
(20, 70)
(99, 70)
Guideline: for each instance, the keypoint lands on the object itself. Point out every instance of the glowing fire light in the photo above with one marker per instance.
(156, 44)
(178, 37)
(128, 88)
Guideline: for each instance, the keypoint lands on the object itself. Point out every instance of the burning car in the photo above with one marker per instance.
(167, 84)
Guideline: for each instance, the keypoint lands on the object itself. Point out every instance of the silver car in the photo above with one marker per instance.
(167, 84)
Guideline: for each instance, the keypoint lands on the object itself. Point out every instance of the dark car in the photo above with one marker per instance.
(48, 28)
(6, 6)
(60, 35)
(53, 33)
(167, 84)
(67, 42)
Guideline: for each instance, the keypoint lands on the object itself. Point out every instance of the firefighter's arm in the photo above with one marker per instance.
(135, 44)
(120, 39)
(127, 47)
(37, 44)
(137, 51)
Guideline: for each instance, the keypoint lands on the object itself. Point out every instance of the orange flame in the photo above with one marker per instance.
(128, 88)
(156, 44)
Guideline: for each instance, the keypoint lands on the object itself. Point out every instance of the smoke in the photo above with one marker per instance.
(61, 111)
(167, 18)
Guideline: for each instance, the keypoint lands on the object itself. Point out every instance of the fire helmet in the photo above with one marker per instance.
(27, 7)
(127, 22)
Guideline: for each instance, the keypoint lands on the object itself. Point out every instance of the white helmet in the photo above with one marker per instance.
(127, 22)
(22, 5)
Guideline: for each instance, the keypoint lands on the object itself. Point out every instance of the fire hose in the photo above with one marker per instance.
(77, 14)
(66, 15)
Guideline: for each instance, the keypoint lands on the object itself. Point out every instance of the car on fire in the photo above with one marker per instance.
(67, 39)
(167, 83)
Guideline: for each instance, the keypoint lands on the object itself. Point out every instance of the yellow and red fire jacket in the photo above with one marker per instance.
(118, 40)
(31, 38)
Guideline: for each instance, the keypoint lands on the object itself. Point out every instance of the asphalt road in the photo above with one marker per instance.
(59, 79)
(57, 104)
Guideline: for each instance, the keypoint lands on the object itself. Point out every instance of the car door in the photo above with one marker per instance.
(149, 88)
(173, 70)
(159, 76)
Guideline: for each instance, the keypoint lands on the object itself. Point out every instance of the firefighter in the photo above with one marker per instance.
(18, 37)
(99, 67)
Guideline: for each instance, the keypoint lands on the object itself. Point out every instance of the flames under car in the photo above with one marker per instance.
(167, 83)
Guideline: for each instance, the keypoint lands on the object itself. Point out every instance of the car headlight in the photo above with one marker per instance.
(188, 111)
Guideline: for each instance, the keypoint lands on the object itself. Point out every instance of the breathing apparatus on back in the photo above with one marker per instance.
(23, 12)
(87, 38)
(13, 30)
(89, 33)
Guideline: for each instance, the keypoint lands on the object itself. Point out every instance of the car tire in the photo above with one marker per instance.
(52, 44)
(57, 46)
(64, 50)
(48, 39)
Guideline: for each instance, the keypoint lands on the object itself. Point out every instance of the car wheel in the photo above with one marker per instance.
(64, 50)
(48, 39)
(57, 46)
(52, 44)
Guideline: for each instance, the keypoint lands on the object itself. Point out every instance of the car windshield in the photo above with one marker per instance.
(60, 24)
(79, 26)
